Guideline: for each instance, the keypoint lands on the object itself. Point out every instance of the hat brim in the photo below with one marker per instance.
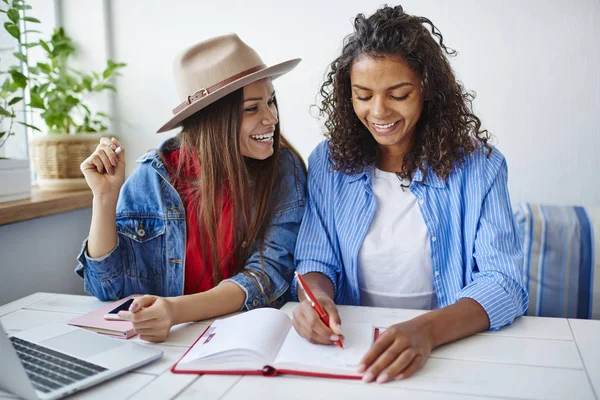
(273, 72)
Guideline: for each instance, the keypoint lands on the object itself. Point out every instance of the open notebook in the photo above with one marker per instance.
(263, 341)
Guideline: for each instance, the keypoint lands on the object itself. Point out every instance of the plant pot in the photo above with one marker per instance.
(16, 179)
(56, 159)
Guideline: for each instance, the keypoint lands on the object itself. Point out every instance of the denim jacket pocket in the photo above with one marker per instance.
(146, 247)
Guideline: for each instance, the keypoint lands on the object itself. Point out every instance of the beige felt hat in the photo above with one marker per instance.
(214, 68)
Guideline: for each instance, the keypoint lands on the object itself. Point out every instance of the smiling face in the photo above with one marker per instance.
(259, 118)
(387, 98)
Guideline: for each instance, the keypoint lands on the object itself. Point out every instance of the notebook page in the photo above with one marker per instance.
(298, 353)
(255, 334)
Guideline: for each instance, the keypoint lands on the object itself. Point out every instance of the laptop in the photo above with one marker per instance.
(67, 363)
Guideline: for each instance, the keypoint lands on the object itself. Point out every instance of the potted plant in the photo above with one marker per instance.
(14, 173)
(60, 94)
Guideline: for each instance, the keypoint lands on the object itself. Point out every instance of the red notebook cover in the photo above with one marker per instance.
(267, 369)
(95, 321)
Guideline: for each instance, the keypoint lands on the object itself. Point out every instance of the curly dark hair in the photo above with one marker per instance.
(447, 130)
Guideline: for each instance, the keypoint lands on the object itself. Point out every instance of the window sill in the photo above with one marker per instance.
(43, 204)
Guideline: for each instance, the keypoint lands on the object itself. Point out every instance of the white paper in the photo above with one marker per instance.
(297, 351)
(251, 336)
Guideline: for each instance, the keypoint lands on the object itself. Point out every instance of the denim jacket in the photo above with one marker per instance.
(149, 257)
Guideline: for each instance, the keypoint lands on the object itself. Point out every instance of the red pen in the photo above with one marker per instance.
(315, 304)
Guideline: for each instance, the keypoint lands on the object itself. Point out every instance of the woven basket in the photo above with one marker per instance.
(59, 156)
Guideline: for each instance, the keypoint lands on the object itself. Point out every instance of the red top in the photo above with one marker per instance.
(198, 271)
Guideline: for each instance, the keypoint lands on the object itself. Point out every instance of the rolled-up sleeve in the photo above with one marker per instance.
(497, 283)
(266, 283)
(317, 248)
(102, 276)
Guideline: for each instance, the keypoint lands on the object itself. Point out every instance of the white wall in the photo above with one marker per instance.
(40, 255)
(534, 65)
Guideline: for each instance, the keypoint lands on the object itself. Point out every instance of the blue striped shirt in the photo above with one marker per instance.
(474, 245)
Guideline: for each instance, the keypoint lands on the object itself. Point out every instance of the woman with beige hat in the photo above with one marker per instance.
(207, 224)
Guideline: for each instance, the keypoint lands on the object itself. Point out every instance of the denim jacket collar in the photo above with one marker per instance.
(154, 159)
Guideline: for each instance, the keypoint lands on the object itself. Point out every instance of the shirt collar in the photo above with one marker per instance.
(356, 177)
(431, 180)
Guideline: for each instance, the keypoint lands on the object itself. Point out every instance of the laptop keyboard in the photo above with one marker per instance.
(49, 370)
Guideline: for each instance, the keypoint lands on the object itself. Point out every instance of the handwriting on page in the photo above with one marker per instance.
(357, 341)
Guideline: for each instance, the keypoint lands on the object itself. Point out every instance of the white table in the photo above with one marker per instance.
(535, 358)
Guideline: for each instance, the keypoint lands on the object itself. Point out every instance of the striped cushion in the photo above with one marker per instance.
(561, 267)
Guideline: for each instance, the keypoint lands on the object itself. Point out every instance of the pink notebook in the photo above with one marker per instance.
(95, 321)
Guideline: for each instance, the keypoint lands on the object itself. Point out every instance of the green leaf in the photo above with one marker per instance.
(31, 19)
(36, 101)
(104, 87)
(19, 78)
(22, 6)
(13, 15)
(2, 133)
(87, 83)
(71, 101)
(35, 128)
(13, 30)
(5, 113)
(20, 56)
(45, 46)
(44, 67)
(15, 100)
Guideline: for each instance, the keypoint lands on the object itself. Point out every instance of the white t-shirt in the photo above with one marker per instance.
(394, 262)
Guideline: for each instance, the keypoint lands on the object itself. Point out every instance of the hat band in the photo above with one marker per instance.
(201, 93)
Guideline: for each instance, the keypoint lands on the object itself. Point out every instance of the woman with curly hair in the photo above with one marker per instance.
(408, 204)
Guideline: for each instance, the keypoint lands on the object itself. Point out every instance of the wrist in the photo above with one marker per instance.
(426, 324)
(106, 199)
(174, 305)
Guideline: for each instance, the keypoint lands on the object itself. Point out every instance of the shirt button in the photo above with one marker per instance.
(437, 273)
(433, 239)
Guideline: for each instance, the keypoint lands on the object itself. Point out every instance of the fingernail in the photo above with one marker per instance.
(114, 162)
(368, 377)
(334, 337)
(113, 147)
(399, 377)
(383, 378)
(361, 368)
(133, 307)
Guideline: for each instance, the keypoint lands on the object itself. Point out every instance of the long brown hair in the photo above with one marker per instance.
(210, 138)
(447, 131)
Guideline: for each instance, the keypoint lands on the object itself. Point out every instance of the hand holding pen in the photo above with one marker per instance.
(104, 169)
(317, 318)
